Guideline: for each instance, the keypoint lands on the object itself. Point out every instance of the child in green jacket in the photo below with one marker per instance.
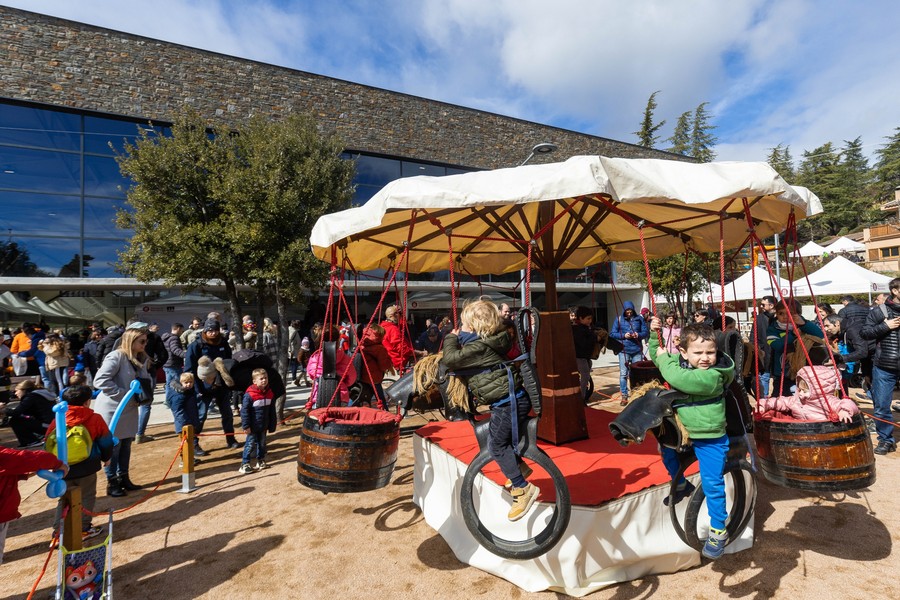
(701, 372)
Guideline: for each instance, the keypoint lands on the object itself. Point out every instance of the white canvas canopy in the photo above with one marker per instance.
(586, 208)
(810, 249)
(742, 288)
(845, 244)
(841, 276)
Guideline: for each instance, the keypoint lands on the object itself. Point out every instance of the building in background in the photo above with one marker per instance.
(71, 94)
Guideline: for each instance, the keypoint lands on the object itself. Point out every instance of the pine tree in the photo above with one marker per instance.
(702, 140)
(647, 135)
(887, 169)
(820, 172)
(681, 137)
(780, 159)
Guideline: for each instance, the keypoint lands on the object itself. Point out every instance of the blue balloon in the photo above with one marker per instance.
(56, 485)
(134, 389)
(62, 447)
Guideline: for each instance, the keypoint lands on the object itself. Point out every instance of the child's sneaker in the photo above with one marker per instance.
(682, 491)
(91, 532)
(715, 543)
(245, 469)
(526, 473)
(523, 498)
(261, 464)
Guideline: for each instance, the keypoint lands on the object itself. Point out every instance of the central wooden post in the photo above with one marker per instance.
(562, 419)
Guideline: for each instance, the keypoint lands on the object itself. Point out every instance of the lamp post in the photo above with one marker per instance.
(542, 148)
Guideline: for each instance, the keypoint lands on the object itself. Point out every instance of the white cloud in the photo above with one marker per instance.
(794, 72)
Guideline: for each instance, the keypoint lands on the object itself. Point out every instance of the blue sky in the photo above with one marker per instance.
(792, 72)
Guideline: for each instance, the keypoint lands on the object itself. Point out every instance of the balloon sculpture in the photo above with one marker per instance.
(56, 486)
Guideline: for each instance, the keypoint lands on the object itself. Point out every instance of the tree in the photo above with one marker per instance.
(647, 135)
(887, 169)
(15, 261)
(72, 268)
(681, 137)
(702, 140)
(281, 178)
(819, 171)
(855, 179)
(780, 159)
(671, 279)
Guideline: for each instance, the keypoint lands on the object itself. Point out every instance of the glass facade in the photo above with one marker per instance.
(60, 188)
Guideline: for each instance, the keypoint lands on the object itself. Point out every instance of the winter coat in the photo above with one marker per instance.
(113, 380)
(887, 340)
(294, 340)
(636, 324)
(108, 344)
(585, 340)
(703, 413)
(176, 351)
(853, 312)
(375, 359)
(780, 339)
(258, 410)
(14, 466)
(486, 385)
(669, 334)
(343, 366)
(816, 407)
(102, 447)
(56, 352)
(34, 352)
(396, 342)
(37, 404)
(858, 349)
(184, 406)
(204, 345)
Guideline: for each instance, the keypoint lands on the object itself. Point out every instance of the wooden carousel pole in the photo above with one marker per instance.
(563, 417)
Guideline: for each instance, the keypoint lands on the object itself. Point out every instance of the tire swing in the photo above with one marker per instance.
(545, 540)
(816, 456)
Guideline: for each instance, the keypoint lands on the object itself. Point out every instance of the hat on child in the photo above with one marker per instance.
(304, 345)
(205, 369)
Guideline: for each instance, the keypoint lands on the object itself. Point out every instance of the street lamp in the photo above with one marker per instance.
(542, 148)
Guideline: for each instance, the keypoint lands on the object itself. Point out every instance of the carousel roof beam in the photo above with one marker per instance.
(588, 230)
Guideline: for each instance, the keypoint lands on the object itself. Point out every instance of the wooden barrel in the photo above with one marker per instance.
(816, 455)
(643, 371)
(347, 449)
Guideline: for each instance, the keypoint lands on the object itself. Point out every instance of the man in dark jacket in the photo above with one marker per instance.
(883, 326)
(853, 311)
(585, 339)
(631, 329)
(174, 365)
(212, 343)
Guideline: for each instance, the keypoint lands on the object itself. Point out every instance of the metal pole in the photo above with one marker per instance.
(777, 265)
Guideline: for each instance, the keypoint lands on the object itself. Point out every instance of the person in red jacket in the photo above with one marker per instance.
(375, 361)
(16, 465)
(396, 339)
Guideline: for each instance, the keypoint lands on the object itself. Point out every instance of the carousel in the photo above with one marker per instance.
(606, 512)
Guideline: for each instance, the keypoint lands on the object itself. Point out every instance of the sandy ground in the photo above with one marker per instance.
(265, 535)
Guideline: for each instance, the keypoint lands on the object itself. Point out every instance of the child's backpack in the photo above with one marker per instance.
(78, 442)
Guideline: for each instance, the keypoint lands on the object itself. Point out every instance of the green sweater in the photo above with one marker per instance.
(702, 420)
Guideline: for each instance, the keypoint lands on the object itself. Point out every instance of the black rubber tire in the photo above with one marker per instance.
(744, 501)
(533, 547)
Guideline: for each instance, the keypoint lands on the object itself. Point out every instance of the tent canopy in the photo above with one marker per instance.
(742, 288)
(845, 244)
(573, 214)
(841, 276)
(810, 249)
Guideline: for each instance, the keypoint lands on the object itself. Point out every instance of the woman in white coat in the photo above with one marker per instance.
(113, 380)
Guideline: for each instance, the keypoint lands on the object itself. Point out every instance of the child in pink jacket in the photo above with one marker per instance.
(343, 366)
(811, 402)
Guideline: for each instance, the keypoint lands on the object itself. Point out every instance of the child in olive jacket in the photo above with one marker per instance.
(701, 372)
(476, 352)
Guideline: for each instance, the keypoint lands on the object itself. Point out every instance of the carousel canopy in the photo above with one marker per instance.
(575, 213)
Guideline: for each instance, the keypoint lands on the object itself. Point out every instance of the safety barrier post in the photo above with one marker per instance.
(187, 460)
(72, 525)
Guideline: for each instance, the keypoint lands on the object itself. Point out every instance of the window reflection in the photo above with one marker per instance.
(100, 217)
(413, 169)
(37, 257)
(27, 213)
(26, 126)
(39, 170)
(104, 255)
(103, 178)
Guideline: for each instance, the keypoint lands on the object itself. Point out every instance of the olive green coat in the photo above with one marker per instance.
(486, 387)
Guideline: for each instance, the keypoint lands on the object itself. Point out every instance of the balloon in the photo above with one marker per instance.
(62, 447)
(134, 389)
(56, 485)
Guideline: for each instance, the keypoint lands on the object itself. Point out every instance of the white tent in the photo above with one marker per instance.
(811, 249)
(844, 244)
(841, 276)
(742, 287)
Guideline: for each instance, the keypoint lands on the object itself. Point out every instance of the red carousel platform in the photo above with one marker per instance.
(619, 529)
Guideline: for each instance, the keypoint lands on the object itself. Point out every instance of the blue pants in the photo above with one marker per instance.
(764, 379)
(500, 442)
(121, 459)
(143, 418)
(625, 361)
(883, 383)
(221, 397)
(711, 455)
(172, 374)
(255, 444)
